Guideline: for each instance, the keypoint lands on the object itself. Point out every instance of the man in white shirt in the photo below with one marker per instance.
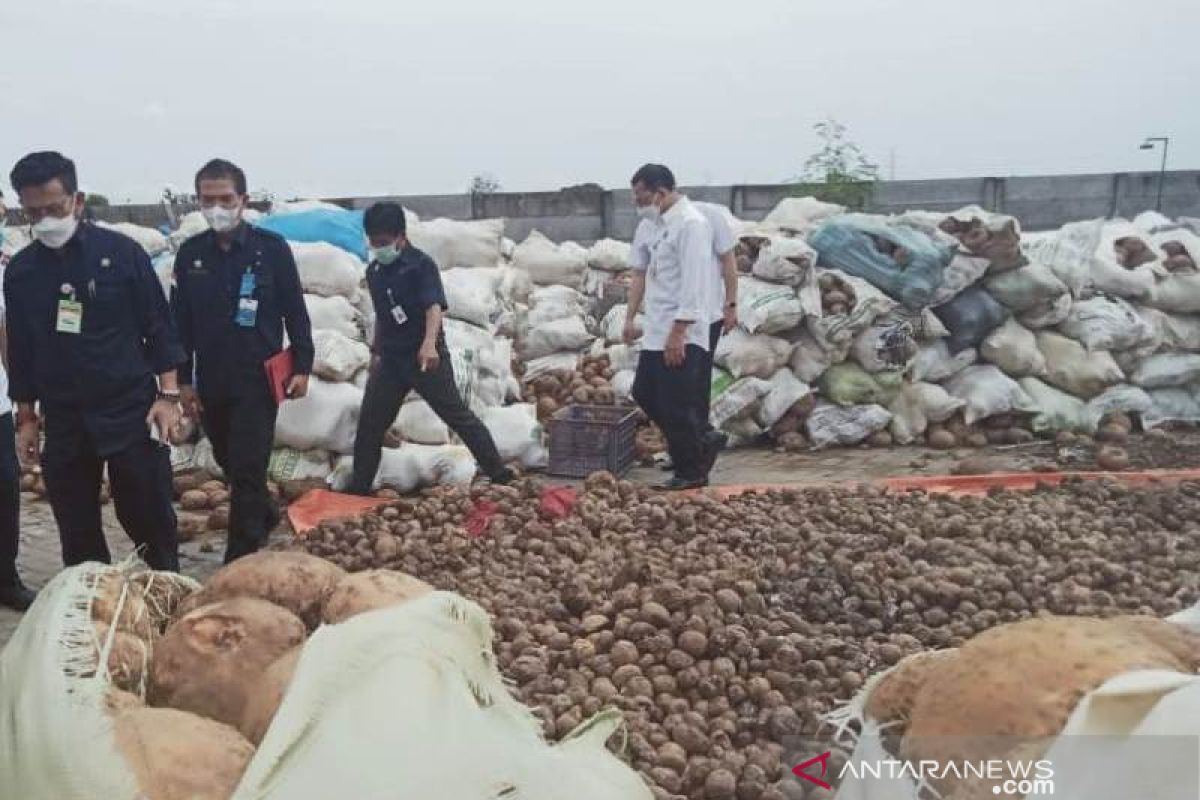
(721, 287)
(12, 592)
(677, 316)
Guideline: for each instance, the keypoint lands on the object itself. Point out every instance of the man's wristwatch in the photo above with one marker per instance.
(170, 397)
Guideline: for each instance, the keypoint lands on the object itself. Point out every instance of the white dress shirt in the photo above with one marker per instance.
(5, 403)
(677, 282)
(722, 243)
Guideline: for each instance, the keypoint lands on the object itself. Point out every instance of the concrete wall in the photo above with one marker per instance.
(584, 215)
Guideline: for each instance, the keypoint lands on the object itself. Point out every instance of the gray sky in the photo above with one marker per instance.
(357, 97)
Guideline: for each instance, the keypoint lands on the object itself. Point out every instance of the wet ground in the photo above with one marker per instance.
(40, 556)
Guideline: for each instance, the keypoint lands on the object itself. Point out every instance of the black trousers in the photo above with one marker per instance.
(140, 479)
(670, 399)
(10, 501)
(241, 428)
(714, 336)
(390, 381)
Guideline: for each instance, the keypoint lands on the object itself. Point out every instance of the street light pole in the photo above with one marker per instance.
(1162, 171)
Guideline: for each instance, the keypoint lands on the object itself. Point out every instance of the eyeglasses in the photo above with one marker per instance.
(59, 208)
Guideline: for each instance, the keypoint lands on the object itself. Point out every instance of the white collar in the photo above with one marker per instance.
(679, 209)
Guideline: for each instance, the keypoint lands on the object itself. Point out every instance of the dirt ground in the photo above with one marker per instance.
(40, 556)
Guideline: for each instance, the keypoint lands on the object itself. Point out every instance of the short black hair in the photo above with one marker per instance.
(219, 169)
(385, 218)
(654, 177)
(38, 169)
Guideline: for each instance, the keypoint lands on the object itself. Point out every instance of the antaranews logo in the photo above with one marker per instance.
(1006, 777)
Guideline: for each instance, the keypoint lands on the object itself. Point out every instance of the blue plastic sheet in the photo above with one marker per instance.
(852, 245)
(342, 229)
(970, 317)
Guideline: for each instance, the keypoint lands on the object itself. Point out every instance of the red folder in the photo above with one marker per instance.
(279, 369)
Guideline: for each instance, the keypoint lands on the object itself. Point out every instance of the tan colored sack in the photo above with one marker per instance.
(180, 756)
(128, 658)
(208, 661)
(119, 600)
(367, 591)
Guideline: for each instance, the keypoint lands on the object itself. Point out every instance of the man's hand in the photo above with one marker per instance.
(729, 321)
(428, 358)
(632, 332)
(297, 387)
(190, 400)
(28, 432)
(673, 355)
(164, 415)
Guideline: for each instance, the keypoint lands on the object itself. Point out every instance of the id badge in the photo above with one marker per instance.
(70, 316)
(399, 315)
(247, 288)
(247, 312)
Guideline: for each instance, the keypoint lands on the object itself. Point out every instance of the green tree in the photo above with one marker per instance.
(839, 172)
(95, 201)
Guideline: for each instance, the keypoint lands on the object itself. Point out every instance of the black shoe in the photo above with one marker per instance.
(717, 439)
(678, 484)
(504, 477)
(16, 596)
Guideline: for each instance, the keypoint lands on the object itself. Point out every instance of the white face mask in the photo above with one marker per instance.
(54, 232)
(221, 219)
(649, 212)
(385, 255)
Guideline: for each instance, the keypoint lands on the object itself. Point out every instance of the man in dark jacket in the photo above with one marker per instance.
(410, 350)
(92, 353)
(236, 290)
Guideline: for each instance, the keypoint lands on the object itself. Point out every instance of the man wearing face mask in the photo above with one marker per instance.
(237, 289)
(88, 332)
(674, 358)
(410, 351)
(721, 290)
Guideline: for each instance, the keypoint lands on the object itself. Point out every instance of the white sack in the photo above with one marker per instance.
(555, 362)
(1047, 316)
(326, 419)
(515, 286)
(205, 460)
(551, 303)
(740, 400)
(786, 261)
(767, 307)
(338, 359)
(1177, 294)
(836, 333)
(554, 337)
(850, 425)
(1174, 331)
(1068, 252)
(1181, 404)
(1106, 323)
(473, 295)
(327, 270)
(1056, 410)
(622, 384)
(1074, 369)
(417, 423)
(335, 314)
(746, 355)
(934, 363)
(413, 466)
(785, 391)
(191, 224)
(292, 465)
(918, 404)
(884, 347)
(1013, 348)
(612, 327)
(1032, 287)
(1123, 397)
(518, 434)
(987, 392)
(451, 243)
(809, 360)
(549, 264)
(1167, 370)
(430, 718)
(623, 356)
(152, 241)
(609, 255)
(800, 215)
